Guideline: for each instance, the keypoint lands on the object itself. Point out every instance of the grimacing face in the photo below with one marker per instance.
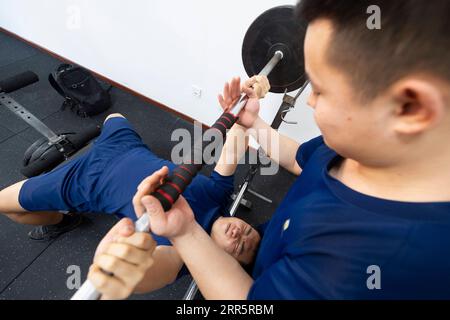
(237, 238)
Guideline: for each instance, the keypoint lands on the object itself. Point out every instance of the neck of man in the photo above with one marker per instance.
(425, 180)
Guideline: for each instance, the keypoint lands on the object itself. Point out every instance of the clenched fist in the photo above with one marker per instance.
(121, 261)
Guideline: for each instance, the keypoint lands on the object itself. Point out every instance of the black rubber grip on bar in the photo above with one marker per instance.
(225, 123)
(183, 175)
(18, 82)
(176, 184)
(44, 164)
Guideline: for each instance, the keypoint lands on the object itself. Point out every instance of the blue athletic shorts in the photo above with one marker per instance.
(71, 186)
(105, 180)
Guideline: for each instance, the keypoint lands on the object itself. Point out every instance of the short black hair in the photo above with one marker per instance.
(414, 38)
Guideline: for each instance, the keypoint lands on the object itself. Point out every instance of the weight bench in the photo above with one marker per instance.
(52, 149)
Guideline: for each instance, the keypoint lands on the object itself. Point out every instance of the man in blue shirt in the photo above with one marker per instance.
(105, 180)
(369, 216)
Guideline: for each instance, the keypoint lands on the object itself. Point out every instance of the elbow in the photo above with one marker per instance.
(171, 278)
(149, 285)
(144, 288)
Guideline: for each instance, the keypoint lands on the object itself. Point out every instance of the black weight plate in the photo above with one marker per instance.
(41, 157)
(276, 29)
(39, 149)
(32, 149)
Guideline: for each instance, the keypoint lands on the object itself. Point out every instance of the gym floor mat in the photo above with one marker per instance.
(11, 155)
(48, 273)
(17, 252)
(18, 49)
(5, 133)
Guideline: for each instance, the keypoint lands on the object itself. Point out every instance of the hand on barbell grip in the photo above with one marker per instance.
(121, 261)
(231, 94)
(256, 87)
(176, 222)
(165, 224)
(148, 186)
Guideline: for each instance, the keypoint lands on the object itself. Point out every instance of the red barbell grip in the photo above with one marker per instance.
(182, 176)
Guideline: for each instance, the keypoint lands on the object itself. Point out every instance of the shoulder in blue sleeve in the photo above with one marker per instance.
(213, 193)
(284, 280)
(262, 228)
(307, 149)
(222, 189)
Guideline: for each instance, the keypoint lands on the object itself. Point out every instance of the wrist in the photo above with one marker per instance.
(258, 123)
(189, 232)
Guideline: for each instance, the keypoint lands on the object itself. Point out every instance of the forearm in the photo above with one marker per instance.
(218, 275)
(234, 149)
(279, 148)
(164, 271)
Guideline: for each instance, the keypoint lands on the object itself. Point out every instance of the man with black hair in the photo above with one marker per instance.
(105, 179)
(369, 216)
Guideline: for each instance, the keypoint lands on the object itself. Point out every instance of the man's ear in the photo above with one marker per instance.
(420, 105)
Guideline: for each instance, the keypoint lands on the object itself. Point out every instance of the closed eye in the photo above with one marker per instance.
(241, 248)
(236, 248)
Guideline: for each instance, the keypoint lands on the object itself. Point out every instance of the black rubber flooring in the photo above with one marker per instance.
(30, 270)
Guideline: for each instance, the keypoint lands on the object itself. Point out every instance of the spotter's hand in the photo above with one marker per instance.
(121, 261)
(255, 89)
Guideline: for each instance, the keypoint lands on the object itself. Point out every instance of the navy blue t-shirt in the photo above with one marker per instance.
(327, 241)
(106, 178)
(207, 196)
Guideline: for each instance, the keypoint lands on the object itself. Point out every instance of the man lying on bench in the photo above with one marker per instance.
(106, 179)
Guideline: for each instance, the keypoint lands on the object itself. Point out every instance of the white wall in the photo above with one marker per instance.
(158, 48)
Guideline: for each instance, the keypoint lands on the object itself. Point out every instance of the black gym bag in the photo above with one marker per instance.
(83, 94)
